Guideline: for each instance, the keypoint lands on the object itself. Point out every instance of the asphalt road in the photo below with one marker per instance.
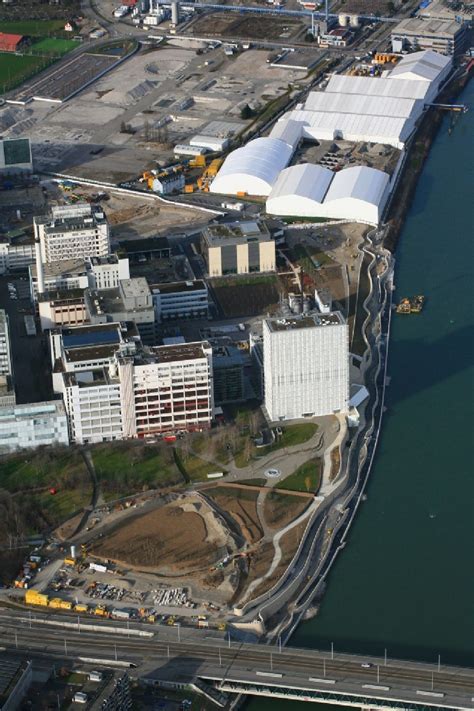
(192, 653)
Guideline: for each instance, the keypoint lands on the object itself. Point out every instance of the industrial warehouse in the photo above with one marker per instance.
(369, 110)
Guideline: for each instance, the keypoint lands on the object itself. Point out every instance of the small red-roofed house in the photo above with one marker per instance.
(11, 43)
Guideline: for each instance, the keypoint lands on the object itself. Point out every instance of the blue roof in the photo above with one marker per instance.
(92, 338)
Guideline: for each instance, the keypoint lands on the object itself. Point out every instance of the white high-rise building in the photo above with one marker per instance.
(73, 232)
(5, 348)
(306, 366)
(33, 425)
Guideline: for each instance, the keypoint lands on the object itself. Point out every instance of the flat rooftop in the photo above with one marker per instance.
(298, 323)
(62, 295)
(63, 268)
(90, 353)
(428, 27)
(175, 287)
(223, 234)
(171, 353)
(11, 671)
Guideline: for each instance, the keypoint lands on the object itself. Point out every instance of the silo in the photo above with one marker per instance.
(354, 20)
(343, 20)
(175, 13)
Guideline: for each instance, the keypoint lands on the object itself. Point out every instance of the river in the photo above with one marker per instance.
(405, 581)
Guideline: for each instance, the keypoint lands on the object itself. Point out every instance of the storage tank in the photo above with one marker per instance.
(175, 13)
(354, 20)
(73, 552)
(343, 20)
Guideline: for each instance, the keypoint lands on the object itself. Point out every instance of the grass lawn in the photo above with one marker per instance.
(196, 468)
(125, 469)
(306, 478)
(15, 69)
(35, 28)
(59, 468)
(292, 435)
(63, 504)
(54, 47)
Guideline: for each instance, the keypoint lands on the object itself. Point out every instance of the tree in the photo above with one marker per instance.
(246, 113)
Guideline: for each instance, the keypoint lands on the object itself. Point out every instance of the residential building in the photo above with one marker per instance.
(62, 307)
(167, 388)
(15, 155)
(228, 375)
(418, 33)
(33, 425)
(73, 232)
(5, 345)
(238, 248)
(168, 184)
(180, 300)
(11, 43)
(95, 273)
(306, 365)
(131, 301)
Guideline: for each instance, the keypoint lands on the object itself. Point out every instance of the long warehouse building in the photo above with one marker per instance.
(382, 110)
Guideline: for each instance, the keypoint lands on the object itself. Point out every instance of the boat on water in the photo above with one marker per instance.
(411, 305)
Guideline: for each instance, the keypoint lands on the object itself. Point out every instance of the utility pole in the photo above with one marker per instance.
(279, 643)
(228, 639)
(324, 668)
(271, 661)
(378, 673)
(385, 659)
(65, 646)
(179, 633)
(79, 624)
(332, 650)
(115, 650)
(16, 639)
(432, 681)
(220, 658)
(439, 663)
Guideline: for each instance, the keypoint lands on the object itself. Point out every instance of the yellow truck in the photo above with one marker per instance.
(33, 597)
(81, 608)
(55, 602)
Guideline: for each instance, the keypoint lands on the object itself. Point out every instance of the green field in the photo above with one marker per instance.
(306, 478)
(34, 28)
(124, 469)
(15, 69)
(53, 47)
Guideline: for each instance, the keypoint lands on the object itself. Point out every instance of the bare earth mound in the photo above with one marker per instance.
(168, 538)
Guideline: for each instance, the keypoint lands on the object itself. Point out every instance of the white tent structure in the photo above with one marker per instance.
(377, 86)
(300, 190)
(288, 131)
(357, 194)
(254, 168)
(427, 65)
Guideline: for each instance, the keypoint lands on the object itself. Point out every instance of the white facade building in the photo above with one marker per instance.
(33, 425)
(180, 300)
(15, 255)
(73, 232)
(306, 366)
(5, 346)
(93, 405)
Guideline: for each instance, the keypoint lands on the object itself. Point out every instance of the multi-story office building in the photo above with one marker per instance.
(95, 273)
(131, 301)
(73, 232)
(33, 425)
(306, 366)
(180, 300)
(5, 346)
(228, 375)
(167, 388)
(62, 307)
(17, 252)
(238, 248)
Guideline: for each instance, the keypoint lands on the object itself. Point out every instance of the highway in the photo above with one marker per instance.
(189, 652)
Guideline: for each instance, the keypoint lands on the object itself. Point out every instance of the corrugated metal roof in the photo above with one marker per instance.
(377, 129)
(363, 105)
(426, 65)
(288, 131)
(378, 86)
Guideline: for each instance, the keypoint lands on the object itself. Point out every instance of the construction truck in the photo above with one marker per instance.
(33, 597)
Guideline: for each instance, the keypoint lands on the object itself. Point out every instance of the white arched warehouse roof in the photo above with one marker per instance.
(357, 194)
(300, 191)
(254, 168)
(288, 131)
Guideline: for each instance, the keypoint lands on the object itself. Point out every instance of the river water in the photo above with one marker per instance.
(405, 580)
